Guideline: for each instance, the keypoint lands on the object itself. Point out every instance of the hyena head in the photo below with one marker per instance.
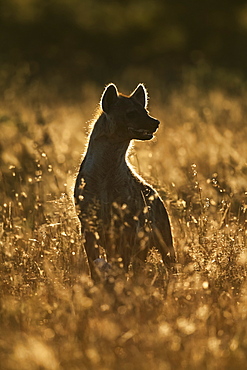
(127, 116)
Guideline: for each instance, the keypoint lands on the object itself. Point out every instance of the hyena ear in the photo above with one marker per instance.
(109, 97)
(141, 95)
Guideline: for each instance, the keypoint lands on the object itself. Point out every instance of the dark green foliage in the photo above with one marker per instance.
(65, 43)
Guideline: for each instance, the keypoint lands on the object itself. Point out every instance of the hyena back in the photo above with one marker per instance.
(118, 210)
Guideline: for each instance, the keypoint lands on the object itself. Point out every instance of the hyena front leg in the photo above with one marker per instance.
(92, 252)
(140, 252)
(117, 250)
(139, 261)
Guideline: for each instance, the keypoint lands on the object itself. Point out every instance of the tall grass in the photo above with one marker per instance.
(52, 316)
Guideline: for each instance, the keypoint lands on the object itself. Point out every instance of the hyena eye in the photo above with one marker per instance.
(131, 114)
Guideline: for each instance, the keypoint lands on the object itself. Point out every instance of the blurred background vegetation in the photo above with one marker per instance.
(56, 56)
(67, 43)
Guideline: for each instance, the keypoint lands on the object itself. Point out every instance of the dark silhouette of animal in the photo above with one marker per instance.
(120, 213)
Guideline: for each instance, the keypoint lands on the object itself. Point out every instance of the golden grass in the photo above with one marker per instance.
(52, 316)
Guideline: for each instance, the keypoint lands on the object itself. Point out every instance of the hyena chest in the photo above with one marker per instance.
(122, 214)
(121, 200)
(116, 202)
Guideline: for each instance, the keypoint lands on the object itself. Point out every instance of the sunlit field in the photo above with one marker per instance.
(52, 315)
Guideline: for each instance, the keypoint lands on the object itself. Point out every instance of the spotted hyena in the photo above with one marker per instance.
(119, 212)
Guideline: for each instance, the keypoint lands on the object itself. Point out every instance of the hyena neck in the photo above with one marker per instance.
(105, 154)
